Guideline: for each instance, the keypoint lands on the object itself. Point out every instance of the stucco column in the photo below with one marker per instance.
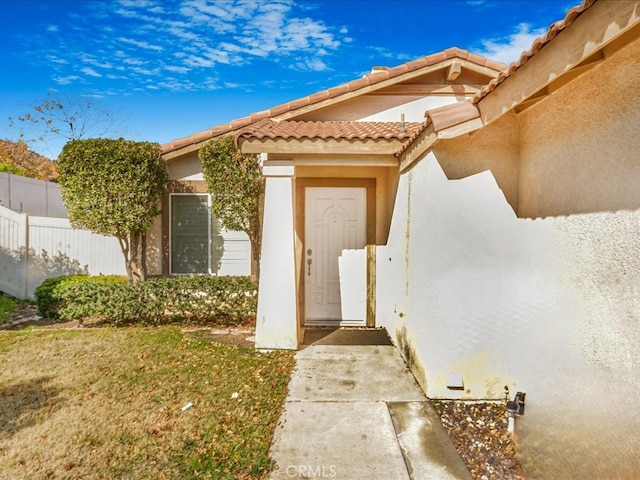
(276, 322)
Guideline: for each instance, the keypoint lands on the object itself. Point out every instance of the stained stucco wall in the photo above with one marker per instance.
(547, 304)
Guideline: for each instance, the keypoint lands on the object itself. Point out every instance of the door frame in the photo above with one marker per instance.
(370, 185)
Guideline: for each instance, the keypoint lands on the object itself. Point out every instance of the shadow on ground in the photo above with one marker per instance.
(23, 403)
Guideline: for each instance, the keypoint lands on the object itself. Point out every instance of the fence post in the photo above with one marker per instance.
(25, 270)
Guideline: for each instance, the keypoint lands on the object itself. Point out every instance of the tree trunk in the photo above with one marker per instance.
(143, 257)
(134, 259)
(255, 258)
(130, 246)
(124, 246)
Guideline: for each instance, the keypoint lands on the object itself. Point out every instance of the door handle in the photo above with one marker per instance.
(309, 262)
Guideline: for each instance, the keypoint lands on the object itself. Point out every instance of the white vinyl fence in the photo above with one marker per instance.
(28, 195)
(34, 248)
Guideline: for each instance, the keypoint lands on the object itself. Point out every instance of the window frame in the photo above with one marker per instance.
(209, 226)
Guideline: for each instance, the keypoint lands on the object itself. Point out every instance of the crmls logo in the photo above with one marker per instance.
(311, 471)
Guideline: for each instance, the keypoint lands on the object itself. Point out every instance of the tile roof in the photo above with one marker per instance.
(290, 129)
(537, 45)
(442, 118)
(451, 115)
(378, 76)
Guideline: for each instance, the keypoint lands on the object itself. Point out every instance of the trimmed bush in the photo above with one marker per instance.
(50, 294)
(225, 300)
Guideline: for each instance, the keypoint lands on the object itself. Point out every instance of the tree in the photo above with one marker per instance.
(63, 119)
(18, 159)
(114, 187)
(237, 186)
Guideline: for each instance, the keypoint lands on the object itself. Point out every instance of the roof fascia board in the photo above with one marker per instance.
(429, 137)
(430, 89)
(374, 88)
(280, 146)
(417, 149)
(347, 161)
(561, 81)
(600, 25)
(460, 129)
(194, 147)
(181, 152)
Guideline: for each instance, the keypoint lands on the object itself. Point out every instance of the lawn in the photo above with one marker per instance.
(114, 403)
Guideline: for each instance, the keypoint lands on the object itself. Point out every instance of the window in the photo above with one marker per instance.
(196, 244)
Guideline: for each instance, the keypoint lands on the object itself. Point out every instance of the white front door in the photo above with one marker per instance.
(335, 220)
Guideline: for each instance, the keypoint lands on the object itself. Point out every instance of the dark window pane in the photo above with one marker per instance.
(189, 234)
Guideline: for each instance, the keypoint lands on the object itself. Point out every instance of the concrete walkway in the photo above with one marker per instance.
(354, 411)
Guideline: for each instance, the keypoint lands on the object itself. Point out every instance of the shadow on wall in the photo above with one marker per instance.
(471, 289)
(38, 267)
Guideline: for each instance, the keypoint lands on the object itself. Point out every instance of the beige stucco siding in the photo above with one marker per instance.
(543, 298)
(494, 148)
(595, 167)
(185, 168)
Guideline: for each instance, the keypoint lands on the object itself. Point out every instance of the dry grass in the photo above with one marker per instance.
(106, 403)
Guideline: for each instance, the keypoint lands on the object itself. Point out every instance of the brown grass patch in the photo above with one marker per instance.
(107, 403)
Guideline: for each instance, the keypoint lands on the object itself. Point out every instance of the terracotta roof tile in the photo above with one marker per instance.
(333, 92)
(290, 129)
(450, 115)
(537, 45)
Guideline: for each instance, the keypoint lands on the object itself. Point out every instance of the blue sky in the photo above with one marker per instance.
(166, 69)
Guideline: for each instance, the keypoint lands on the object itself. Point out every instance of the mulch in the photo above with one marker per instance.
(479, 431)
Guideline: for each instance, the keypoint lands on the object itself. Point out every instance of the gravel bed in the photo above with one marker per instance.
(479, 432)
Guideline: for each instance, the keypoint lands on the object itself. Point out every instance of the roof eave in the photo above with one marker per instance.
(357, 87)
(571, 52)
(319, 146)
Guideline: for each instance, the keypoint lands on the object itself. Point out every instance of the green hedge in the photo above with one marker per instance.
(227, 300)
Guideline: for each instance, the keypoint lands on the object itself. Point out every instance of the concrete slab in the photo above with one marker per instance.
(425, 444)
(356, 412)
(349, 441)
(354, 373)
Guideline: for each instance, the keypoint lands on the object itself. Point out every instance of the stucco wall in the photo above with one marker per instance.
(454, 283)
(495, 148)
(467, 287)
(599, 158)
(187, 167)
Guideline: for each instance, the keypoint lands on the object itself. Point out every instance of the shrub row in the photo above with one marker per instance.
(227, 300)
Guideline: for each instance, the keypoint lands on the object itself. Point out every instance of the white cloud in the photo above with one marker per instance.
(141, 44)
(58, 60)
(137, 39)
(310, 64)
(509, 49)
(53, 28)
(195, 61)
(146, 71)
(177, 69)
(90, 71)
(133, 61)
(66, 80)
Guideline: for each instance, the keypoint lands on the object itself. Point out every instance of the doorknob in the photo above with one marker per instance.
(309, 262)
